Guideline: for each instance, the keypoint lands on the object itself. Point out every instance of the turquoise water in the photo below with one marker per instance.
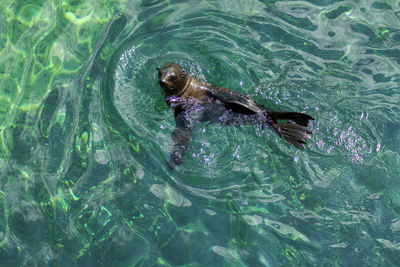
(85, 134)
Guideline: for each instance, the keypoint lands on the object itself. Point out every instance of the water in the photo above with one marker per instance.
(85, 134)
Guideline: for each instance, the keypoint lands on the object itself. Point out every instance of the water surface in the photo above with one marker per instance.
(85, 134)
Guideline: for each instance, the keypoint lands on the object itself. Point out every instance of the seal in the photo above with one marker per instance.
(194, 101)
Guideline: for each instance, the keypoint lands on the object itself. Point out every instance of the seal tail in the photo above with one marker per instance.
(295, 131)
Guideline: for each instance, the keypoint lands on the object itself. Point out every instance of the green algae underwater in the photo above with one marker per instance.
(85, 134)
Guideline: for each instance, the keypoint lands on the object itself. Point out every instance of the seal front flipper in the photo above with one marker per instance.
(181, 137)
(180, 141)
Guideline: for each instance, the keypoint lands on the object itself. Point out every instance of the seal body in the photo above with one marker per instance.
(194, 101)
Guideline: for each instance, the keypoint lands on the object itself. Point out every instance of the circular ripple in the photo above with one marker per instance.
(249, 54)
(207, 52)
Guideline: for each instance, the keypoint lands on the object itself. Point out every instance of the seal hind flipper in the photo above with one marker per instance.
(294, 133)
(299, 118)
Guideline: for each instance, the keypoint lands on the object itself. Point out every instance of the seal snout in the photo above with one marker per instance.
(166, 78)
(168, 74)
(163, 82)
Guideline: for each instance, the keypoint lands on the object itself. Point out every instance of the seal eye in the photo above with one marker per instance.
(172, 78)
(183, 73)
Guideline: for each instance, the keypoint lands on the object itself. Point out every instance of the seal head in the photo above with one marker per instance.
(173, 79)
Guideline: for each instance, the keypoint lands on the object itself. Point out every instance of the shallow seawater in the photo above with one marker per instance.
(86, 134)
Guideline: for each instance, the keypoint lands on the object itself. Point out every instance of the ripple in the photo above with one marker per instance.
(167, 194)
(28, 224)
